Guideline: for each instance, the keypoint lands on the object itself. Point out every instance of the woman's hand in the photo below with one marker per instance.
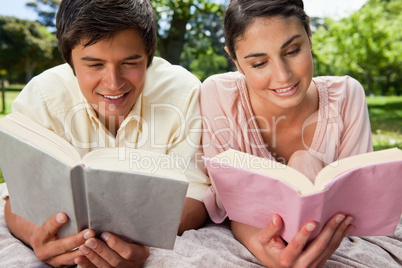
(272, 251)
(111, 251)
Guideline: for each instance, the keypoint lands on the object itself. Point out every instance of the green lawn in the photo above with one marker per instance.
(385, 117)
(386, 121)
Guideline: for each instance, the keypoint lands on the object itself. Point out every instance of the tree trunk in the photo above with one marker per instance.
(171, 47)
(29, 69)
(3, 96)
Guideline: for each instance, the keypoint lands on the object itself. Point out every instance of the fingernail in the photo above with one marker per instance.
(339, 218)
(84, 249)
(310, 227)
(105, 236)
(87, 235)
(90, 243)
(274, 220)
(61, 218)
(351, 229)
(348, 220)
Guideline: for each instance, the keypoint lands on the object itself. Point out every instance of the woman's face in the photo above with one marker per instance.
(275, 57)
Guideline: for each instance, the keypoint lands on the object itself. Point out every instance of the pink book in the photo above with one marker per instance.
(366, 186)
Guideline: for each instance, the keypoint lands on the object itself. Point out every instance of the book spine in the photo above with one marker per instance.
(78, 186)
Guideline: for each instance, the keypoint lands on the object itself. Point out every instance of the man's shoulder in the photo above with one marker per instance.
(161, 72)
(56, 88)
(60, 73)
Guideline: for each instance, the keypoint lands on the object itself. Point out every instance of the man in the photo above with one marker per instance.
(111, 93)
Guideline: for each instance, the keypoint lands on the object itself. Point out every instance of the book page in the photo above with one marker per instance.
(266, 167)
(339, 167)
(46, 140)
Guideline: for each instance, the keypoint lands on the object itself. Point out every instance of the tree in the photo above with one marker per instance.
(46, 10)
(366, 45)
(175, 20)
(24, 45)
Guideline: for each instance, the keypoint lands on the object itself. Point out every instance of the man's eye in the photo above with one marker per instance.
(95, 65)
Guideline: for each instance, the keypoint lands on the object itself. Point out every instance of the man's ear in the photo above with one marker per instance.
(234, 61)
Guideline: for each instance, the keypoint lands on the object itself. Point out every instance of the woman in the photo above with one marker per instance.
(272, 107)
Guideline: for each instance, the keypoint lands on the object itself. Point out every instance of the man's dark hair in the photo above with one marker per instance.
(91, 21)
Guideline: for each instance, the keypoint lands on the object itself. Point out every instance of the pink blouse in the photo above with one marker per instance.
(343, 126)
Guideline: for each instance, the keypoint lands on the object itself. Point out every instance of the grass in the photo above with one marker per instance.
(385, 118)
(10, 96)
(386, 121)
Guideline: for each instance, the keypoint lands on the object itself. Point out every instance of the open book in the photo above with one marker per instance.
(366, 186)
(136, 194)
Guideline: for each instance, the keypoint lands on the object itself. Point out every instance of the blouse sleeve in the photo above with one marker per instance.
(218, 130)
(356, 134)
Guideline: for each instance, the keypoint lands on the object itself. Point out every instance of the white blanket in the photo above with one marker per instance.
(214, 246)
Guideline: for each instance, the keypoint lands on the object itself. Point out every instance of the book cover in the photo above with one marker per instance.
(106, 190)
(371, 192)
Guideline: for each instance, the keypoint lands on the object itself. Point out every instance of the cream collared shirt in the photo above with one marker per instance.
(165, 118)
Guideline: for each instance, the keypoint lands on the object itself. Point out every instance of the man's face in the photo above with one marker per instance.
(111, 74)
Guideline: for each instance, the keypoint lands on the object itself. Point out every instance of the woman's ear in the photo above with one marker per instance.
(310, 37)
(234, 61)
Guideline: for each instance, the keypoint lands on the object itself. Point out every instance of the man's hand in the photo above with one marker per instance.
(57, 251)
(111, 251)
(43, 240)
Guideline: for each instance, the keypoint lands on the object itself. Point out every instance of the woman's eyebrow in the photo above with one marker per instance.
(255, 55)
(290, 40)
(251, 55)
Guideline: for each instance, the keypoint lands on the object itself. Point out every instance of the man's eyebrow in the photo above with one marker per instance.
(132, 57)
(88, 58)
(255, 55)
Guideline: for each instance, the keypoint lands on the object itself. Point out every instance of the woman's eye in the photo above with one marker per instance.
(294, 52)
(258, 64)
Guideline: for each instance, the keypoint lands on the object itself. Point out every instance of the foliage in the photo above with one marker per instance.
(24, 45)
(176, 18)
(366, 45)
(46, 10)
(191, 34)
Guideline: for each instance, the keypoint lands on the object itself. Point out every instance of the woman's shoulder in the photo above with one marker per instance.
(340, 87)
(224, 85)
(221, 92)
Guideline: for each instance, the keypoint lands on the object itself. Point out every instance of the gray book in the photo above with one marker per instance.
(136, 194)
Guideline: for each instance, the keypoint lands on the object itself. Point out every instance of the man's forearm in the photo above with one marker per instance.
(19, 227)
(193, 216)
